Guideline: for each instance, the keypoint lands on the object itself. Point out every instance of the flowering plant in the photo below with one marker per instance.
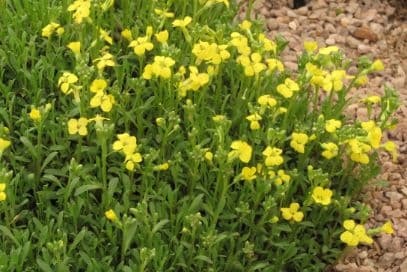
(176, 140)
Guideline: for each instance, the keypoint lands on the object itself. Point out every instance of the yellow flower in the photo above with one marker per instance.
(245, 25)
(219, 118)
(252, 65)
(162, 37)
(161, 67)
(330, 150)
(81, 9)
(104, 61)
(208, 156)
(52, 27)
(162, 167)
(210, 52)
(321, 195)
(102, 100)
(182, 23)
(242, 150)
(3, 195)
(391, 147)
(373, 99)
(387, 228)
(354, 234)
(358, 151)
(125, 143)
(35, 114)
(274, 64)
(334, 81)
(75, 47)
(98, 86)
(211, 2)
(164, 13)
(281, 177)
(377, 65)
(310, 46)
(298, 141)
(249, 173)
(332, 125)
(254, 121)
(111, 215)
(328, 50)
(4, 144)
(268, 44)
(274, 220)
(141, 45)
(267, 100)
(126, 33)
(105, 36)
(292, 213)
(288, 88)
(65, 82)
(132, 160)
(241, 43)
(78, 126)
(195, 81)
(273, 156)
(361, 80)
(374, 133)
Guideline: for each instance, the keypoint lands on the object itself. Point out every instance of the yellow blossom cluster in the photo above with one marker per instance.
(127, 144)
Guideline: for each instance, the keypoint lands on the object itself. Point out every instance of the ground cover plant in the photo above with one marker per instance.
(167, 136)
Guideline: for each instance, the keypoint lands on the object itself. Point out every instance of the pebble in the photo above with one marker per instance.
(364, 49)
(330, 41)
(293, 25)
(352, 42)
(365, 33)
(393, 196)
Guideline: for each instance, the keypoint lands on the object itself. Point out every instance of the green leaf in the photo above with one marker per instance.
(88, 187)
(48, 159)
(159, 225)
(44, 266)
(77, 239)
(9, 234)
(31, 149)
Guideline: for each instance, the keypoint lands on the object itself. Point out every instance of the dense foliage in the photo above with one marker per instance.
(165, 136)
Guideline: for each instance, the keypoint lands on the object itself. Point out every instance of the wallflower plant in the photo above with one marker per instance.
(167, 136)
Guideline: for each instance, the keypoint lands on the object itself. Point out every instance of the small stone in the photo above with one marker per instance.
(352, 42)
(265, 11)
(291, 65)
(352, 7)
(330, 41)
(369, 15)
(386, 210)
(385, 241)
(365, 33)
(393, 196)
(363, 254)
(364, 49)
(387, 259)
(399, 255)
(399, 82)
(302, 11)
(346, 21)
(291, 14)
(330, 28)
(272, 24)
(389, 10)
(293, 25)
